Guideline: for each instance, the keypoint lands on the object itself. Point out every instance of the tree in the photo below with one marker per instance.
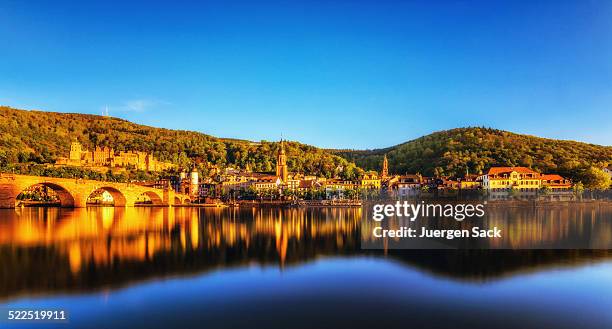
(527, 161)
(578, 190)
(513, 193)
(350, 194)
(595, 179)
(3, 158)
(545, 190)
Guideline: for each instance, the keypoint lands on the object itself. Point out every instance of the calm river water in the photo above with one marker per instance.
(292, 268)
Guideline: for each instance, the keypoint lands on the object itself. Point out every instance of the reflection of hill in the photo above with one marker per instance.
(43, 250)
(486, 265)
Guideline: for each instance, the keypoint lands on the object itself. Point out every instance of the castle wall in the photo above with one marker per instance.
(107, 157)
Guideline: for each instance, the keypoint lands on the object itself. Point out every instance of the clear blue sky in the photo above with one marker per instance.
(342, 74)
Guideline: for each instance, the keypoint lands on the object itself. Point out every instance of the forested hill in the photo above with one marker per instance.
(42, 137)
(457, 151)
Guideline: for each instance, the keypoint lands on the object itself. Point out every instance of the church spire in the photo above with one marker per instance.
(385, 167)
(281, 163)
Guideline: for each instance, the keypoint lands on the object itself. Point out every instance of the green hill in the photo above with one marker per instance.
(457, 151)
(36, 137)
(41, 137)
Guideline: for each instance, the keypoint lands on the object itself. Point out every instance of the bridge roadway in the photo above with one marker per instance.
(75, 192)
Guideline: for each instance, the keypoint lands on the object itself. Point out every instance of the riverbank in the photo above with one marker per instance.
(300, 203)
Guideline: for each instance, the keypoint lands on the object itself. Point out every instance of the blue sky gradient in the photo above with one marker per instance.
(341, 74)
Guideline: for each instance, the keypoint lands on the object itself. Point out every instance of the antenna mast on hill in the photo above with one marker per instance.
(106, 111)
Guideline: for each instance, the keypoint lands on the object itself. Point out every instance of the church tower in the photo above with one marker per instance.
(281, 164)
(385, 168)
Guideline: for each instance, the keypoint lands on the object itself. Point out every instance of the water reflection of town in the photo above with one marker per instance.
(54, 249)
(105, 234)
(48, 248)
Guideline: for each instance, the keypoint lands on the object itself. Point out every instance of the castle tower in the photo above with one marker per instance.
(150, 162)
(385, 168)
(281, 164)
(75, 151)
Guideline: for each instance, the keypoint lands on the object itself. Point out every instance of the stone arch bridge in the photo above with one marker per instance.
(75, 192)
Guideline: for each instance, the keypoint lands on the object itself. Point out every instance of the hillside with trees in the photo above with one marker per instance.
(34, 137)
(459, 151)
(30, 139)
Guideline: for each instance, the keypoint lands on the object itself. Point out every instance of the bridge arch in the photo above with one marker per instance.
(155, 198)
(177, 200)
(66, 198)
(119, 200)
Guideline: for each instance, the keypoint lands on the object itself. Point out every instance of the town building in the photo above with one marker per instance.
(502, 182)
(370, 180)
(233, 180)
(338, 188)
(469, 182)
(309, 185)
(409, 185)
(556, 186)
(446, 186)
(267, 183)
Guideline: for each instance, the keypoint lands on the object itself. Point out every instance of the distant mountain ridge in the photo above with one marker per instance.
(473, 150)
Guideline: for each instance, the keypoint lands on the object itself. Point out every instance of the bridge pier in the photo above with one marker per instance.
(130, 201)
(168, 197)
(7, 196)
(7, 203)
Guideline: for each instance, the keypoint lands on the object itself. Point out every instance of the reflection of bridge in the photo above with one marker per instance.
(75, 192)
